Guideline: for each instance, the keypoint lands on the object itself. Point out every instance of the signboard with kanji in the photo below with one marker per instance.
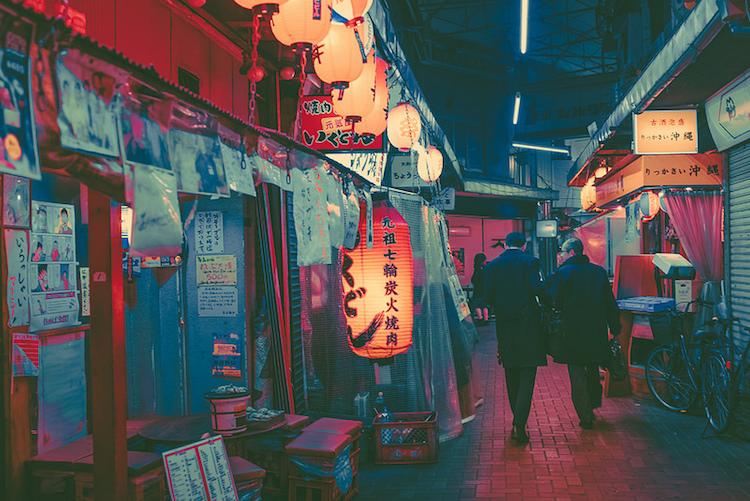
(665, 132)
(324, 130)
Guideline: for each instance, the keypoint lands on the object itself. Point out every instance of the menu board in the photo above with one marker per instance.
(200, 472)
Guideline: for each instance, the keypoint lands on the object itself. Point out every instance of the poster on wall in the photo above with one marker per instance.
(17, 289)
(227, 356)
(25, 355)
(16, 200)
(216, 269)
(209, 232)
(143, 134)
(89, 105)
(459, 260)
(18, 149)
(218, 301)
(52, 268)
(311, 216)
(234, 156)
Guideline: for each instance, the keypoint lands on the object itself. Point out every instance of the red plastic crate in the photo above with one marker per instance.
(411, 438)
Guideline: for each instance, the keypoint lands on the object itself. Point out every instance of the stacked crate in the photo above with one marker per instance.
(248, 478)
(321, 466)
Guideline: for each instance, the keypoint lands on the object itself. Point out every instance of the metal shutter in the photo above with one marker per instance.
(295, 327)
(737, 236)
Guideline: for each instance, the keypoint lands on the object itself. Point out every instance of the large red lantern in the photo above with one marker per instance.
(378, 286)
(404, 126)
(300, 24)
(357, 100)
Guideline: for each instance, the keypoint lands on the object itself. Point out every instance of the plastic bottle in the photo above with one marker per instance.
(379, 404)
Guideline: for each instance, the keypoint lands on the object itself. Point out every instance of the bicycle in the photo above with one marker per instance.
(679, 374)
(739, 369)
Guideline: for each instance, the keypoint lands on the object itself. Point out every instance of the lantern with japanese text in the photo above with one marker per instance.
(260, 7)
(404, 126)
(353, 10)
(378, 286)
(337, 58)
(300, 24)
(376, 121)
(430, 164)
(358, 99)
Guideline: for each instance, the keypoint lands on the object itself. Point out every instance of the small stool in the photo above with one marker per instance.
(347, 426)
(313, 458)
(248, 478)
(146, 479)
(295, 422)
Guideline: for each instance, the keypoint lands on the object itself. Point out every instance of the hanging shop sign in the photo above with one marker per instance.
(369, 165)
(378, 294)
(404, 172)
(660, 132)
(702, 169)
(324, 130)
(728, 113)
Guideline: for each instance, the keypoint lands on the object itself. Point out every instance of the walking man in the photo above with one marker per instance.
(512, 284)
(581, 291)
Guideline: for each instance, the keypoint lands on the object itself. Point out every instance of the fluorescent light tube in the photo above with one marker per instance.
(516, 108)
(524, 25)
(541, 148)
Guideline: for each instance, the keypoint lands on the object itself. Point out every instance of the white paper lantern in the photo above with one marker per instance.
(404, 126)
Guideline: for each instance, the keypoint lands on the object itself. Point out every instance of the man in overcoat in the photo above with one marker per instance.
(580, 290)
(512, 284)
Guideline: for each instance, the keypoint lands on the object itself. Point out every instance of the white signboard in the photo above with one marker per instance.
(218, 301)
(446, 199)
(369, 165)
(209, 232)
(404, 173)
(200, 472)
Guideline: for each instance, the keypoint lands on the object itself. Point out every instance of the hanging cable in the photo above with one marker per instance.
(254, 63)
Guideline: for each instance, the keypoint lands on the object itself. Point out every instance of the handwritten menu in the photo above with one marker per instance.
(200, 472)
(216, 269)
(209, 232)
(311, 216)
(17, 293)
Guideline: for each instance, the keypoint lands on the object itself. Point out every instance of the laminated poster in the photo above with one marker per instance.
(209, 232)
(16, 201)
(198, 163)
(89, 104)
(143, 136)
(200, 472)
(236, 162)
(17, 291)
(52, 267)
(335, 211)
(227, 356)
(18, 150)
(25, 355)
(157, 225)
(311, 216)
(270, 173)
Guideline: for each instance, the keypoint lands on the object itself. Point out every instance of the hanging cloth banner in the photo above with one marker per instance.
(157, 228)
(311, 216)
(195, 151)
(351, 215)
(18, 148)
(335, 210)
(234, 156)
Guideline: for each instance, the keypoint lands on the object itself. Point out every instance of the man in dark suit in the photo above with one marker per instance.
(581, 291)
(512, 284)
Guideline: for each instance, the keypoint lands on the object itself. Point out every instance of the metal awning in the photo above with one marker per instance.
(510, 190)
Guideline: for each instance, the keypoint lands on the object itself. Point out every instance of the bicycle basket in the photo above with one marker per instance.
(666, 326)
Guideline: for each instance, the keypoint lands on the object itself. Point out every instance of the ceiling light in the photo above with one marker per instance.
(524, 24)
(541, 148)
(516, 108)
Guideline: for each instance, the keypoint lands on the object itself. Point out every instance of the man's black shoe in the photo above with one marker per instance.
(519, 435)
(586, 425)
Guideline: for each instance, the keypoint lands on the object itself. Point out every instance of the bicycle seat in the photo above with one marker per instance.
(705, 335)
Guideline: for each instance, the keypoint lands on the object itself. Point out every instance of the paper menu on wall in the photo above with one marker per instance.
(200, 472)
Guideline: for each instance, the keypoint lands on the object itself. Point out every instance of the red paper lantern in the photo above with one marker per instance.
(300, 24)
(378, 286)
(337, 58)
(376, 121)
(404, 126)
(357, 100)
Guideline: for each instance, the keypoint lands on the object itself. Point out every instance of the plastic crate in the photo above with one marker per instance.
(648, 304)
(411, 438)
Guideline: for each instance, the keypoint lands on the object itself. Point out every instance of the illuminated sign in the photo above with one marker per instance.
(665, 132)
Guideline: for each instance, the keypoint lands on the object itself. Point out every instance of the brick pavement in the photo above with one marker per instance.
(639, 451)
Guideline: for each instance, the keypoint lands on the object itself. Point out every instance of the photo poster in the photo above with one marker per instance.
(195, 151)
(236, 162)
(227, 356)
(311, 216)
(143, 130)
(17, 287)
(16, 201)
(89, 103)
(459, 260)
(52, 267)
(200, 472)
(25, 355)
(157, 223)
(19, 154)
(209, 232)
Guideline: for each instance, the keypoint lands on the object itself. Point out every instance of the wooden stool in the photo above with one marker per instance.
(248, 478)
(50, 475)
(146, 479)
(312, 466)
(346, 426)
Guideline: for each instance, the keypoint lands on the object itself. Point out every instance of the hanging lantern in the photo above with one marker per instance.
(649, 205)
(261, 8)
(357, 100)
(376, 121)
(404, 126)
(337, 58)
(352, 10)
(378, 286)
(430, 164)
(300, 24)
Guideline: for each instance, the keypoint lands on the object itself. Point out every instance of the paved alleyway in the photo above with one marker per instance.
(639, 451)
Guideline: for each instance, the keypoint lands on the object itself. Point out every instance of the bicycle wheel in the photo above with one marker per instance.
(668, 379)
(716, 390)
(739, 416)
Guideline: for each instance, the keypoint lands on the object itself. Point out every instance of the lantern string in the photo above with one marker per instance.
(254, 59)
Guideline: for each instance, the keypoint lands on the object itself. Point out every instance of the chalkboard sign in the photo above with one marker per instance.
(200, 472)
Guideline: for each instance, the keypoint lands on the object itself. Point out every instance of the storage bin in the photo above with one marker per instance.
(411, 438)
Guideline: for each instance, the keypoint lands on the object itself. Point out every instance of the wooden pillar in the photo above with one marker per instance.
(107, 349)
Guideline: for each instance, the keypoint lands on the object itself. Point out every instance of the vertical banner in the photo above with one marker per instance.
(311, 216)
(17, 290)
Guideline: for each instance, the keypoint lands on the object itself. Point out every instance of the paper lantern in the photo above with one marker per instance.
(337, 58)
(378, 286)
(430, 164)
(376, 121)
(649, 205)
(300, 24)
(261, 7)
(357, 100)
(404, 126)
(352, 10)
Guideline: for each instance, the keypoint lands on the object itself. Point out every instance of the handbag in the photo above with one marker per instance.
(616, 363)
(556, 339)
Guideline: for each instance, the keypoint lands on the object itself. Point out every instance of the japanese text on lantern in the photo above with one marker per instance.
(390, 272)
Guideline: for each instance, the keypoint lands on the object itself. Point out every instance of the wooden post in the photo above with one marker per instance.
(107, 348)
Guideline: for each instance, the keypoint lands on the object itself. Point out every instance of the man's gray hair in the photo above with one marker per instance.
(573, 244)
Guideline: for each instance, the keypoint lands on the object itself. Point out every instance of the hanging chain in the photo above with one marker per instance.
(251, 74)
(300, 95)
